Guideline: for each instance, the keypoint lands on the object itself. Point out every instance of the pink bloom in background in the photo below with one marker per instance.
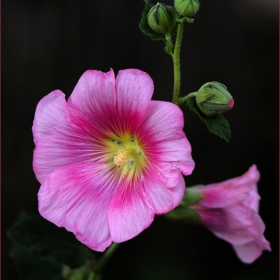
(230, 211)
(109, 158)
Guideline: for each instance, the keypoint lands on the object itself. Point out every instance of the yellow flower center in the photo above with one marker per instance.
(127, 154)
(122, 157)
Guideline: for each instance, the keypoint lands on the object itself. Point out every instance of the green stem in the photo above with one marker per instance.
(182, 100)
(168, 39)
(106, 257)
(176, 63)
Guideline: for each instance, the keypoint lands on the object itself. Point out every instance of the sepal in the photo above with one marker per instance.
(185, 20)
(184, 213)
(191, 196)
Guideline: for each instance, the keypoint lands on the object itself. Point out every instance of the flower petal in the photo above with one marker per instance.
(249, 252)
(167, 143)
(128, 213)
(231, 224)
(134, 92)
(50, 120)
(62, 135)
(77, 197)
(162, 199)
(221, 194)
(134, 205)
(95, 95)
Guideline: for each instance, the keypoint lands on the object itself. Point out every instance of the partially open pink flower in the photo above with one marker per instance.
(230, 211)
(109, 158)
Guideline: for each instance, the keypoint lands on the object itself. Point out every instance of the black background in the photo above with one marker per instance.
(47, 45)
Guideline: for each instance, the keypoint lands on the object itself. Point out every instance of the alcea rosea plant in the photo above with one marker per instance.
(109, 158)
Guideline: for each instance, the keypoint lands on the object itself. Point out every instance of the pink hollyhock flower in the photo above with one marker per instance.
(109, 158)
(230, 210)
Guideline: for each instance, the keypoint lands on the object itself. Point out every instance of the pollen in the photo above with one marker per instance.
(122, 157)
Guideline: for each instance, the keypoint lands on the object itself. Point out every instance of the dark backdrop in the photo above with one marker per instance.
(47, 45)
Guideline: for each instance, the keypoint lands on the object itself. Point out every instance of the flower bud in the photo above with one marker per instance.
(161, 18)
(213, 98)
(230, 210)
(186, 8)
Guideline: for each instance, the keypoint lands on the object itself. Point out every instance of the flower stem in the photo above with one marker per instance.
(168, 39)
(182, 100)
(106, 257)
(176, 63)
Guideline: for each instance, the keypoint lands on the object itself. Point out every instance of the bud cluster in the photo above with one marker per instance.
(162, 18)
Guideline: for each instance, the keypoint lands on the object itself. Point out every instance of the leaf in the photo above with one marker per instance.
(32, 267)
(216, 124)
(50, 242)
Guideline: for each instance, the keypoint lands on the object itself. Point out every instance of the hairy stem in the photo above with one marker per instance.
(176, 63)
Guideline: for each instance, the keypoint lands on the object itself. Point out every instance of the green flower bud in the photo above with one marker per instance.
(161, 18)
(213, 98)
(186, 8)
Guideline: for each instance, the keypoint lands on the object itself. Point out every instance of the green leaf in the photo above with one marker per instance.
(32, 267)
(50, 242)
(144, 26)
(216, 124)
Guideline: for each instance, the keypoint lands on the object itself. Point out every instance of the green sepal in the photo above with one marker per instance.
(146, 29)
(217, 124)
(184, 19)
(192, 197)
(49, 242)
(169, 49)
(183, 213)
